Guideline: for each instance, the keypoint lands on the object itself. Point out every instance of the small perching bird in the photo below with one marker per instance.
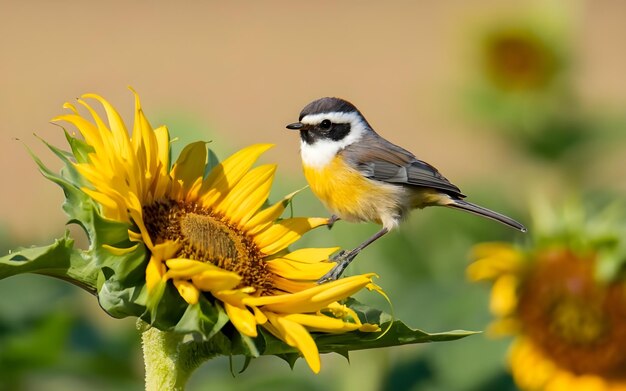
(360, 176)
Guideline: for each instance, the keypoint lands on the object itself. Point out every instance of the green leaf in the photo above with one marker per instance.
(164, 307)
(59, 260)
(202, 319)
(212, 161)
(250, 347)
(366, 313)
(120, 300)
(80, 149)
(393, 333)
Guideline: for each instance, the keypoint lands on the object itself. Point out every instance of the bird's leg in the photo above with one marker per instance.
(343, 259)
(332, 220)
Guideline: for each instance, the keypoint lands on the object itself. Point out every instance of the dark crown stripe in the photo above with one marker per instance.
(328, 105)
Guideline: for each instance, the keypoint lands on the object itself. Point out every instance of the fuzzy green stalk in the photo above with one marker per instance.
(169, 362)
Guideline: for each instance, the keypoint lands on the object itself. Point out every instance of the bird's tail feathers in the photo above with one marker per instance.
(484, 212)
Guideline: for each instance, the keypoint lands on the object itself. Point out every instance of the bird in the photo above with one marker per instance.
(359, 176)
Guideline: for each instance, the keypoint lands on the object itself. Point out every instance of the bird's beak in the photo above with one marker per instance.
(295, 126)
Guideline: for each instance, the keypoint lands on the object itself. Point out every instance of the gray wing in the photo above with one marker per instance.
(378, 159)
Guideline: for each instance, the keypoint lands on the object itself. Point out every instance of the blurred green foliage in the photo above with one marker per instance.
(52, 338)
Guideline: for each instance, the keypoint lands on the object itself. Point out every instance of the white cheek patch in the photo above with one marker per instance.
(322, 151)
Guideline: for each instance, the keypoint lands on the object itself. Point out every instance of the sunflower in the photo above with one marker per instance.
(569, 325)
(209, 231)
(517, 58)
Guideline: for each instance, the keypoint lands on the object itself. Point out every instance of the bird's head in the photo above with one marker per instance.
(330, 120)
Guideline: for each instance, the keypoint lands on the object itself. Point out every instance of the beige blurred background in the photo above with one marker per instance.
(245, 69)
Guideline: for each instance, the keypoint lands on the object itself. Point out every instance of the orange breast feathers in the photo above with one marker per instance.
(353, 197)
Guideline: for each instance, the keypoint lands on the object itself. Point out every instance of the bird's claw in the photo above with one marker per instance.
(332, 220)
(343, 259)
(338, 257)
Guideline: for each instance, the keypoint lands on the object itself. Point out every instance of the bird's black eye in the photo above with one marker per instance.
(325, 124)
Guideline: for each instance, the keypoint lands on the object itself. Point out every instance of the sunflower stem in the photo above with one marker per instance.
(169, 362)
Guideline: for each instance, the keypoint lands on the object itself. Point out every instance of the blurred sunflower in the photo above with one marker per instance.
(567, 314)
(521, 85)
(211, 232)
(516, 58)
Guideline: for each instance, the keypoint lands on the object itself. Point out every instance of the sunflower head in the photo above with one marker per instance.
(563, 297)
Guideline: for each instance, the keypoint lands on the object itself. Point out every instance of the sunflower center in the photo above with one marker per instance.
(575, 320)
(207, 237)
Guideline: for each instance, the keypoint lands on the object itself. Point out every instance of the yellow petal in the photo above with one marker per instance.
(193, 191)
(165, 250)
(163, 146)
(109, 206)
(334, 292)
(291, 286)
(310, 255)
(264, 218)
(216, 280)
(182, 268)
(154, 273)
(322, 323)
(503, 327)
(190, 165)
(87, 129)
(161, 186)
(185, 263)
(369, 328)
(120, 251)
(134, 236)
(530, 368)
(248, 195)
(187, 291)
(285, 232)
(299, 271)
(562, 382)
(228, 173)
(297, 336)
(496, 260)
(118, 129)
(487, 249)
(342, 311)
(592, 383)
(259, 316)
(136, 213)
(103, 133)
(242, 319)
(312, 299)
(100, 175)
(143, 139)
(68, 105)
(504, 295)
(234, 297)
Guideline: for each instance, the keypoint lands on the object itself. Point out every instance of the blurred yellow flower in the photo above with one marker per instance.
(213, 233)
(570, 328)
(519, 59)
